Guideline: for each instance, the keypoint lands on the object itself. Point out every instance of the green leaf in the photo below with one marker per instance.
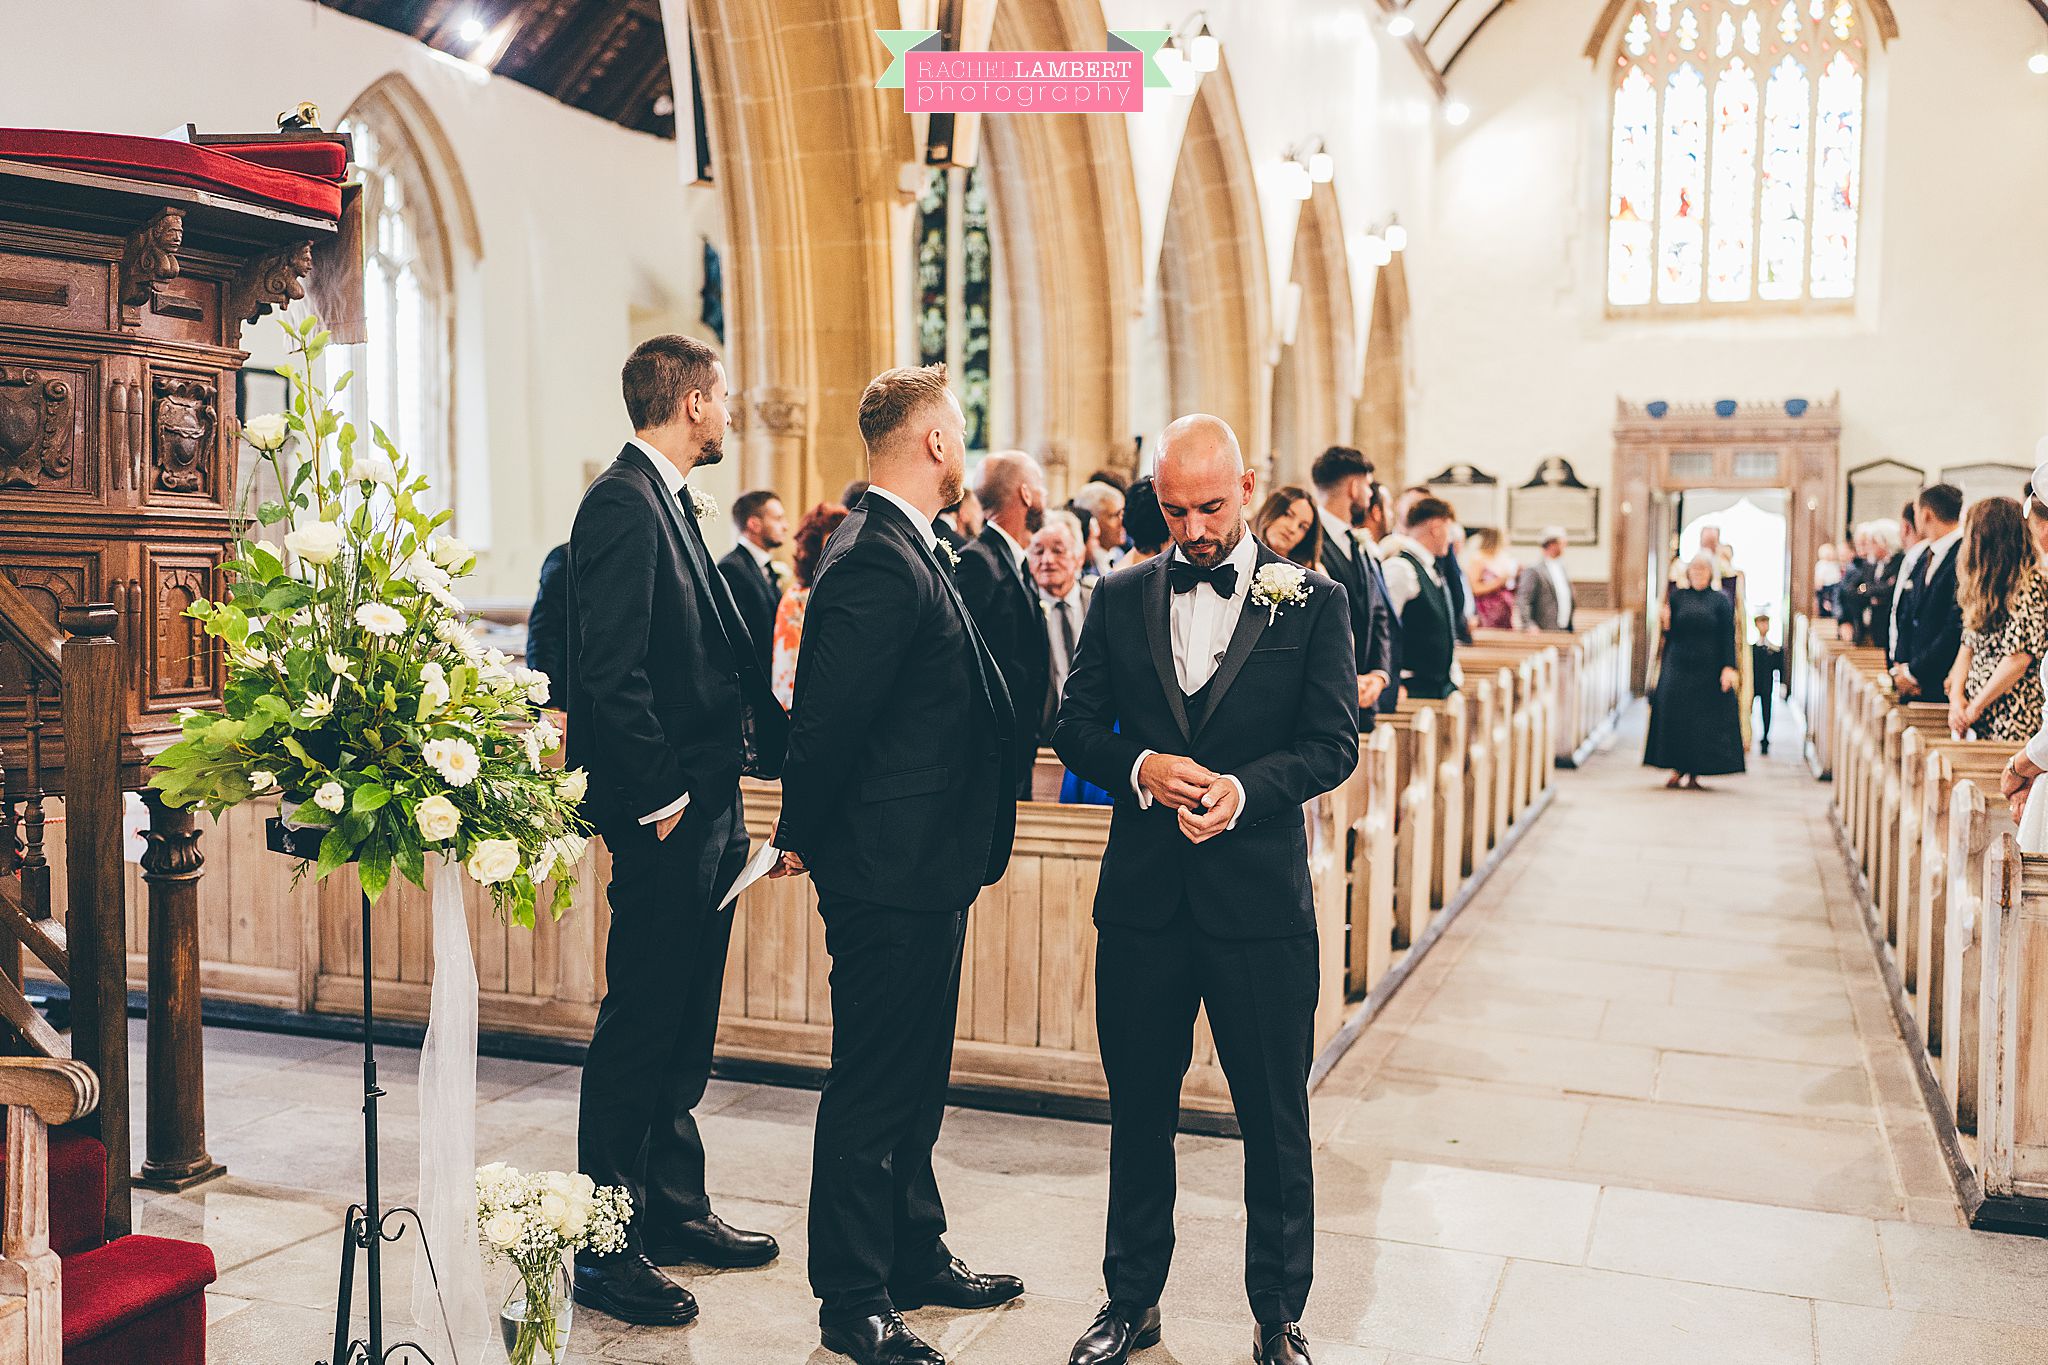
(375, 868)
(335, 849)
(370, 797)
(341, 384)
(271, 513)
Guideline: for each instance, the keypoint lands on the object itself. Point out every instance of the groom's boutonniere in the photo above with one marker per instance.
(702, 503)
(1279, 585)
(944, 549)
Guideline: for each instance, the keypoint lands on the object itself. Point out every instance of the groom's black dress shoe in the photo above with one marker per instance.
(711, 1241)
(957, 1287)
(1114, 1335)
(628, 1286)
(1280, 1343)
(878, 1339)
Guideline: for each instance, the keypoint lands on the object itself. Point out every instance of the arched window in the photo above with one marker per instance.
(403, 372)
(956, 289)
(1735, 175)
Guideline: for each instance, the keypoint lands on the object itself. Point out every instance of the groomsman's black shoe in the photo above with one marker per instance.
(629, 1287)
(1114, 1335)
(711, 1241)
(1280, 1344)
(957, 1287)
(878, 1339)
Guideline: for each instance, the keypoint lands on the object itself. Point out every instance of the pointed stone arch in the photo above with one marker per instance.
(1215, 304)
(1604, 28)
(1380, 428)
(1312, 384)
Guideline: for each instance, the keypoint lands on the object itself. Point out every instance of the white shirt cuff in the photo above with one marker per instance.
(674, 807)
(1144, 797)
(1240, 802)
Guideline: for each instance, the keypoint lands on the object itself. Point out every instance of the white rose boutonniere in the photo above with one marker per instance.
(943, 548)
(1279, 585)
(702, 503)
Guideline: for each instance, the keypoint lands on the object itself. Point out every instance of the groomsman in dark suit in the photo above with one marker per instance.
(899, 799)
(1343, 480)
(667, 709)
(996, 582)
(1216, 691)
(751, 572)
(547, 625)
(1932, 622)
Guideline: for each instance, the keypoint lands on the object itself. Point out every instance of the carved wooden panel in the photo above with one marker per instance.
(182, 664)
(52, 291)
(51, 577)
(43, 412)
(184, 429)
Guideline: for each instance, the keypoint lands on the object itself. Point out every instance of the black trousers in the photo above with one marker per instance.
(876, 1217)
(650, 1054)
(1763, 696)
(1261, 998)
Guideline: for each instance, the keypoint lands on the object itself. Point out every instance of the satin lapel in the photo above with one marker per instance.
(1251, 623)
(1158, 604)
(710, 582)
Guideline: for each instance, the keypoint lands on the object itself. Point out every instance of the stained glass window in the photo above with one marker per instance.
(1736, 156)
(955, 283)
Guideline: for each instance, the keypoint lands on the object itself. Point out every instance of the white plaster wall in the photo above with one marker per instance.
(582, 221)
(1945, 359)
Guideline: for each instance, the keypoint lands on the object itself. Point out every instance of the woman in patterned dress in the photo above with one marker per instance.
(1994, 691)
(811, 535)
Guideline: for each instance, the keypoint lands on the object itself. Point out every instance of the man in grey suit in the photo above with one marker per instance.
(1544, 596)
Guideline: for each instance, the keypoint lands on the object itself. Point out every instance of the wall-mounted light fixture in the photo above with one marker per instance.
(1308, 165)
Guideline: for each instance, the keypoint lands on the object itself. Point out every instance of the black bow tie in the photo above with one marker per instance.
(1184, 576)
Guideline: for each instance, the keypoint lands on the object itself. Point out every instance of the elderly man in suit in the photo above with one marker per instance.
(1544, 596)
(1057, 552)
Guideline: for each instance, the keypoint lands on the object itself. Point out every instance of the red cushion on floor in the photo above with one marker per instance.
(78, 1192)
(161, 161)
(174, 1334)
(321, 160)
(129, 1280)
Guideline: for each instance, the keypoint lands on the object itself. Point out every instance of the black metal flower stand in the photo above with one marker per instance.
(368, 1225)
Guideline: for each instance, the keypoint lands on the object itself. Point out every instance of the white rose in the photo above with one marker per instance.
(574, 784)
(572, 848)
(555, 1210)
(504, 1230)
(497, 1172)
(536, 684)
(268, 547)
(454, 759)
(329, 798)
(438, 819)
(493, 861)
(318, 543)
(380, 620)
(450, 553)
(268, 432)
(550, 737)
(262, 780)
(373, 469)
(543, 866)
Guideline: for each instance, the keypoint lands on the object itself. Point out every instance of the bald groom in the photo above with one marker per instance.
(1214, 691)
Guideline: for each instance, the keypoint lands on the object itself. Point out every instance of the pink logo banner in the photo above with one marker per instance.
(1010, 82)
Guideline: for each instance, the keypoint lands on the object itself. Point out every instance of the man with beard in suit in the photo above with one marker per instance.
(996, 582)
(668, 707)
(899, 801)
(1343, 480)
(1215, 691)
(754, 577)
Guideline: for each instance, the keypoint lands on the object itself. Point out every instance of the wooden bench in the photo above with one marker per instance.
(1374, 857)
(1415, 748)
(1447, 815)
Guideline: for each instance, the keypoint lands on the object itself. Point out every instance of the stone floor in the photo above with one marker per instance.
(1643, 1104)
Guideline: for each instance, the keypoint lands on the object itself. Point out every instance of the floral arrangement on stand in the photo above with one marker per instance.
(355, 691)
(536, 1222)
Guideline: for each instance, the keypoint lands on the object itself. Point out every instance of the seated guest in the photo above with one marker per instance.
(811, 534)
(1421, 598)
(1491, 573)
(1994, 691)
(1144, 524)
(1544, 596)
(1873, 619)
(1934, 629)
(1104, 505)
(754, 577)
(547, 625)
(1288, 524)
(996, 586)
(961, 522)
(1852, 593)
(1055, 557)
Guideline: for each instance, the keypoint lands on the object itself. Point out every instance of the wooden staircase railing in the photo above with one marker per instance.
(76, 664)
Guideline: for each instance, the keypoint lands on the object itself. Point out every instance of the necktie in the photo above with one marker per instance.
(1066, 634)
(1184, 576)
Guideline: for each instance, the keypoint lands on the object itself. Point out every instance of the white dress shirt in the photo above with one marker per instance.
(1561, 582)
(1402, 584)
(918, 519)
(1336, 530)
(1938, 551)
(760, 556)
(672, 480)
(1016, 550)
(1076, 603)
(1202, 623)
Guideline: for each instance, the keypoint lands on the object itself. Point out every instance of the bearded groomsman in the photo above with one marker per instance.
(1215, 692)
(668, 707)
(899, 800)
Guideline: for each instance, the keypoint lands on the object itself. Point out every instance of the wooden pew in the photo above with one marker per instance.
(1892, 891)
(1482, 760)
(1415, 731)
(2012, 1106)
(1374, 856)
(1587, 676)
(1951, 964)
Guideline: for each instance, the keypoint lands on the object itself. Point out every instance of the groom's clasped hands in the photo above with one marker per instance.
(1204, 802)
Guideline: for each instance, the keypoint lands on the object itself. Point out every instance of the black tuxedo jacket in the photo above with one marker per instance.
(899, 787)
(1006, 609)
(1282, 718)
(1372, 614)
(662, 689)
(757, 597)
(547, 625)
(1929, 649)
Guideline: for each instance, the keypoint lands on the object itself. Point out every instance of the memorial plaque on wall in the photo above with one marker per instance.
(1881, 490)
(1474, 495)
(1554, 497)
(1989, 479)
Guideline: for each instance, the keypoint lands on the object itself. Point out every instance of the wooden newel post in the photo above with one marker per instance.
(96, 897)
(171, 866)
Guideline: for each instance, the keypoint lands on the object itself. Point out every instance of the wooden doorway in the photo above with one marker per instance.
(1662, 451)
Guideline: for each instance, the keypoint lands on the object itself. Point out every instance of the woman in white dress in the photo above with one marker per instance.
(2029, 798)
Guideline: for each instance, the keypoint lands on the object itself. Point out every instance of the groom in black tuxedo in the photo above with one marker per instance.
(898, 799)
(1214, 699)
(667, 708)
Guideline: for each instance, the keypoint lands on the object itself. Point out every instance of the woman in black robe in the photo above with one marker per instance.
(1695, 721)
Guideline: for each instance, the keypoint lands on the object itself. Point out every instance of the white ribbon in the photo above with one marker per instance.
(447, 1203)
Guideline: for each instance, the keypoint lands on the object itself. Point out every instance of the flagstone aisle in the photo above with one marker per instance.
(1643, 1104)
